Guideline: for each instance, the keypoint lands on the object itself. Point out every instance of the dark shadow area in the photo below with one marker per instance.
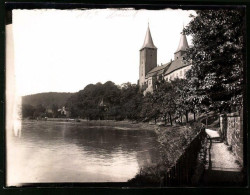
(222, 178)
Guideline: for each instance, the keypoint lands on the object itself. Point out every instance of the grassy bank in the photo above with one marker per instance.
(173, 141)
(123, 125)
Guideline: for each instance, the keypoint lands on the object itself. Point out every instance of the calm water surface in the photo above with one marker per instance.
(47, 151)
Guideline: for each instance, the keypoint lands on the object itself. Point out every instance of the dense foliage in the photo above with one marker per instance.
(106, 101)
(168, 102)
(217, 56)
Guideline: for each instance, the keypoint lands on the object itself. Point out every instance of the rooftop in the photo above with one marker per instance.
(158, 70)
(148, 41)
(183, 44)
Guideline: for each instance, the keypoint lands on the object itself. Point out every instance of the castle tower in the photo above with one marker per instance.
(148, 57)
(183, 45)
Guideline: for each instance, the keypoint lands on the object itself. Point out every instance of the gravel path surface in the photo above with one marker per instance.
(222, 169)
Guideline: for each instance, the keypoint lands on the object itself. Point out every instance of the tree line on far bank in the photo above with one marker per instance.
(214, 83)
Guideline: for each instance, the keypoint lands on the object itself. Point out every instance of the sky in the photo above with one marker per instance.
(65, 50)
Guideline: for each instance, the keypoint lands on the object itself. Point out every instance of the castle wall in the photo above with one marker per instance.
(150, 82)
(231, 130)
(180, 73)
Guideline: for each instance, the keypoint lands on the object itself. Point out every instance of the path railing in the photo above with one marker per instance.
(181, 173)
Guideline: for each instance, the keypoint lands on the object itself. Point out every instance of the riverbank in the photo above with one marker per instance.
(124, 124)
(173, 143)
(121, 125)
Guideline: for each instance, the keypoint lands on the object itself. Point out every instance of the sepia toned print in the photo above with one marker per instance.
(125, 97)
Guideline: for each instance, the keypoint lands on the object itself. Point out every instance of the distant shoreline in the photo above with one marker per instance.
(123, 125)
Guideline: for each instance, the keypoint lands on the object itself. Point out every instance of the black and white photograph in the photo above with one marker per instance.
(126, 97)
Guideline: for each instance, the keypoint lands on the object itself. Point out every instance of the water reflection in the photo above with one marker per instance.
(78, 152)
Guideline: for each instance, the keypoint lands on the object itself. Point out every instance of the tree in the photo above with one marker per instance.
(150, 107)
(55, 110)
(168, 97)
(183, 99)
(217, 57)
(40, 111)
(118, 102)
(131, 101)
(27, 110)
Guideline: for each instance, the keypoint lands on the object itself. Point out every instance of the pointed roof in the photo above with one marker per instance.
(183, 44)
(148, 42)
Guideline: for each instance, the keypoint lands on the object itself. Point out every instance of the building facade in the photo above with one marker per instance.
(149, 72)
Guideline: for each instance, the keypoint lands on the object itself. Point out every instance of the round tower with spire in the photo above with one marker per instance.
(148, 57)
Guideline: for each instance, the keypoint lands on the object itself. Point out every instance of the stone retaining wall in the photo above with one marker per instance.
(231, 130)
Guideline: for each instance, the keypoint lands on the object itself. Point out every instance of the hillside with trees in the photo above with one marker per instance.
(43, 104)
(46, 99)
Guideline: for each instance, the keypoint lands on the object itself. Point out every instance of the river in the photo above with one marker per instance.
(51, 152)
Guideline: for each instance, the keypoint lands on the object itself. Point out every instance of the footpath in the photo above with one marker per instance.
(221, 168)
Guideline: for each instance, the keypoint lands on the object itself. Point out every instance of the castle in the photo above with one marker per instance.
(149, 72)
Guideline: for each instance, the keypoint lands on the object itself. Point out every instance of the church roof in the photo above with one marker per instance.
(172, 65)
(183, 44)
(175, 65)
(167, 68)
(148, 41)
(158, 70)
